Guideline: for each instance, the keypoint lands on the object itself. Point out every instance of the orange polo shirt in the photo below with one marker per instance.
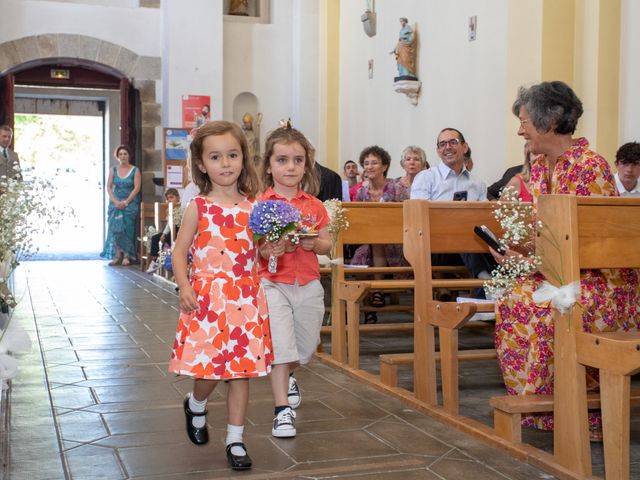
(300, 265)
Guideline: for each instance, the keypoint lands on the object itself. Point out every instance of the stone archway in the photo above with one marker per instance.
(144, 73)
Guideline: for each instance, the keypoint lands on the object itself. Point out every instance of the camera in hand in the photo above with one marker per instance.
(460, 196)
(490, 239)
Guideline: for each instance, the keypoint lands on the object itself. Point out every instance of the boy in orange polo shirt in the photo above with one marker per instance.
(294, 294)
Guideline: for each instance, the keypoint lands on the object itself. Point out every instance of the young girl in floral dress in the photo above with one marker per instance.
(223, 331)
(294, 293)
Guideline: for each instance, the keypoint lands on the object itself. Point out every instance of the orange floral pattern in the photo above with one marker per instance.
(228, 336)
(611, 298)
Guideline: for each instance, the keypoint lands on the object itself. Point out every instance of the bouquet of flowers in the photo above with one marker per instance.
(519, 230)
(272, 219)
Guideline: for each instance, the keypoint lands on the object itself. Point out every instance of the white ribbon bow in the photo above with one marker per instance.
(562, 298)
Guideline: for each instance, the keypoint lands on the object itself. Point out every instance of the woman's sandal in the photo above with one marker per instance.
(370, 317)
(376, 299)
(126, 262)
(115, 261)
(595, 434)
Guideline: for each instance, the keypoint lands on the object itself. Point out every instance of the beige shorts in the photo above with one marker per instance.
(295, 316)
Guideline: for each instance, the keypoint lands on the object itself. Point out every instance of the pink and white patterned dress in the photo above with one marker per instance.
(610, 298)
(228, 336)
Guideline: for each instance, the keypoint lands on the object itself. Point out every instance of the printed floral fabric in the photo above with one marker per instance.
(228, 336)
(122, 223)
(610, 298)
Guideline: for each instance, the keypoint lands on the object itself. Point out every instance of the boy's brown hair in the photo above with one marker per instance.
(248, 182)
(311, 179)
(172, 191)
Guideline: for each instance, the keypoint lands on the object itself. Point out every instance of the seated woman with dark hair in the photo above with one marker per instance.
(375, 161)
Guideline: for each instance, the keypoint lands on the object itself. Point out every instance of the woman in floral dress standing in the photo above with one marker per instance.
(549, 114)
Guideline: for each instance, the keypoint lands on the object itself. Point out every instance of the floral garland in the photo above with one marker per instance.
(519, 230)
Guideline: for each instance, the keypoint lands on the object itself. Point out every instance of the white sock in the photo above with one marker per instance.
(197, 406)
(234, 434)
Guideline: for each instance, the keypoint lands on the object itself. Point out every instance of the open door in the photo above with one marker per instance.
(130, 119)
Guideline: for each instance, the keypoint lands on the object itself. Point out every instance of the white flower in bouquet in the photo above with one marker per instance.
(519, 230)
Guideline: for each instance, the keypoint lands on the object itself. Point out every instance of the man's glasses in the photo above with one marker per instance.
(452, 143)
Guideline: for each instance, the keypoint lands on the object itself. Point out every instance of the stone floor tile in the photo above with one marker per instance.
(89, 462)
(81, 426)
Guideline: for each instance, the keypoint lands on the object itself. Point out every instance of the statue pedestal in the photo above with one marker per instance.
(411, 88)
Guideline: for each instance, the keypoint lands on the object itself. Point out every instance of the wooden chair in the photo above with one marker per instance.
(442, 227)
(590, 233)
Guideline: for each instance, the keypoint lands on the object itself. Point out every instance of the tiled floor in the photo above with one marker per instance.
(93, 400)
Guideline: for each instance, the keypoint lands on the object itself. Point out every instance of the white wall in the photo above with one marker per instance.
(278, 63)
(191, 56)
(137, 29)
(630, 72)
(463, 82)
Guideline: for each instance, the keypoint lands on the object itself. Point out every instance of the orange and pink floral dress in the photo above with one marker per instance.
(228, 336)
(610, 298)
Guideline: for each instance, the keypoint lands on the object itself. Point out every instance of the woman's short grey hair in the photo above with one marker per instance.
(551, 106)
(418, 151)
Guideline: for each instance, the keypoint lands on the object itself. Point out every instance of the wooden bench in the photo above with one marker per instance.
(508, 411)
(583, 233)
(389, 362)
(441, 227)
(369, 223)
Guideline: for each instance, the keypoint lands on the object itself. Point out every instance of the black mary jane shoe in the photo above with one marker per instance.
(199, 436)
(238, 462)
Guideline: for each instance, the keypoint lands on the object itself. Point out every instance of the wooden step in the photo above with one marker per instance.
(508, 410)
(389, 362)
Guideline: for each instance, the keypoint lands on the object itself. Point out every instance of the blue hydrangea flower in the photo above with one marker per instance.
(272, 219)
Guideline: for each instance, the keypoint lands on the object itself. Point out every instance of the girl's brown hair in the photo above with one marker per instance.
(311, 179)
(248, 182)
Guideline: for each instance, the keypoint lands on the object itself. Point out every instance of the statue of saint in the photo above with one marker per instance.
(239, 7)
(253, 135)
(405, 52)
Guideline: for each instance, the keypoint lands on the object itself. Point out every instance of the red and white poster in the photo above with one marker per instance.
(196, 110)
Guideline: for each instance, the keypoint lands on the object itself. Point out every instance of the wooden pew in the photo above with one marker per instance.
(582, 233)
(369, 223)
(441, 227)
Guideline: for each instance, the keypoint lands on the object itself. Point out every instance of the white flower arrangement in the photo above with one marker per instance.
(337, 218)
(519, 231)
(27, 211)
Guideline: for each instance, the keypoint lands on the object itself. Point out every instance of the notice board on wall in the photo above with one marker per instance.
(176, 154)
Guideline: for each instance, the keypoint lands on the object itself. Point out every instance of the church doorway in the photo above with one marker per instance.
(68, 115)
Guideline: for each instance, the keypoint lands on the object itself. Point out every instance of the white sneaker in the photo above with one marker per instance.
(293, 395)
(153, 267)
(284, 425)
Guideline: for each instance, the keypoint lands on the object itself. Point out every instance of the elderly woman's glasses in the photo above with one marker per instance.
(452, 143)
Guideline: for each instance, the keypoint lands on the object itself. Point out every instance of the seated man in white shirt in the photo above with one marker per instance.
(628, 165)
(450, 180)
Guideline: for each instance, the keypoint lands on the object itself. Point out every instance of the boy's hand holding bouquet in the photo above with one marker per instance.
(272, 220)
